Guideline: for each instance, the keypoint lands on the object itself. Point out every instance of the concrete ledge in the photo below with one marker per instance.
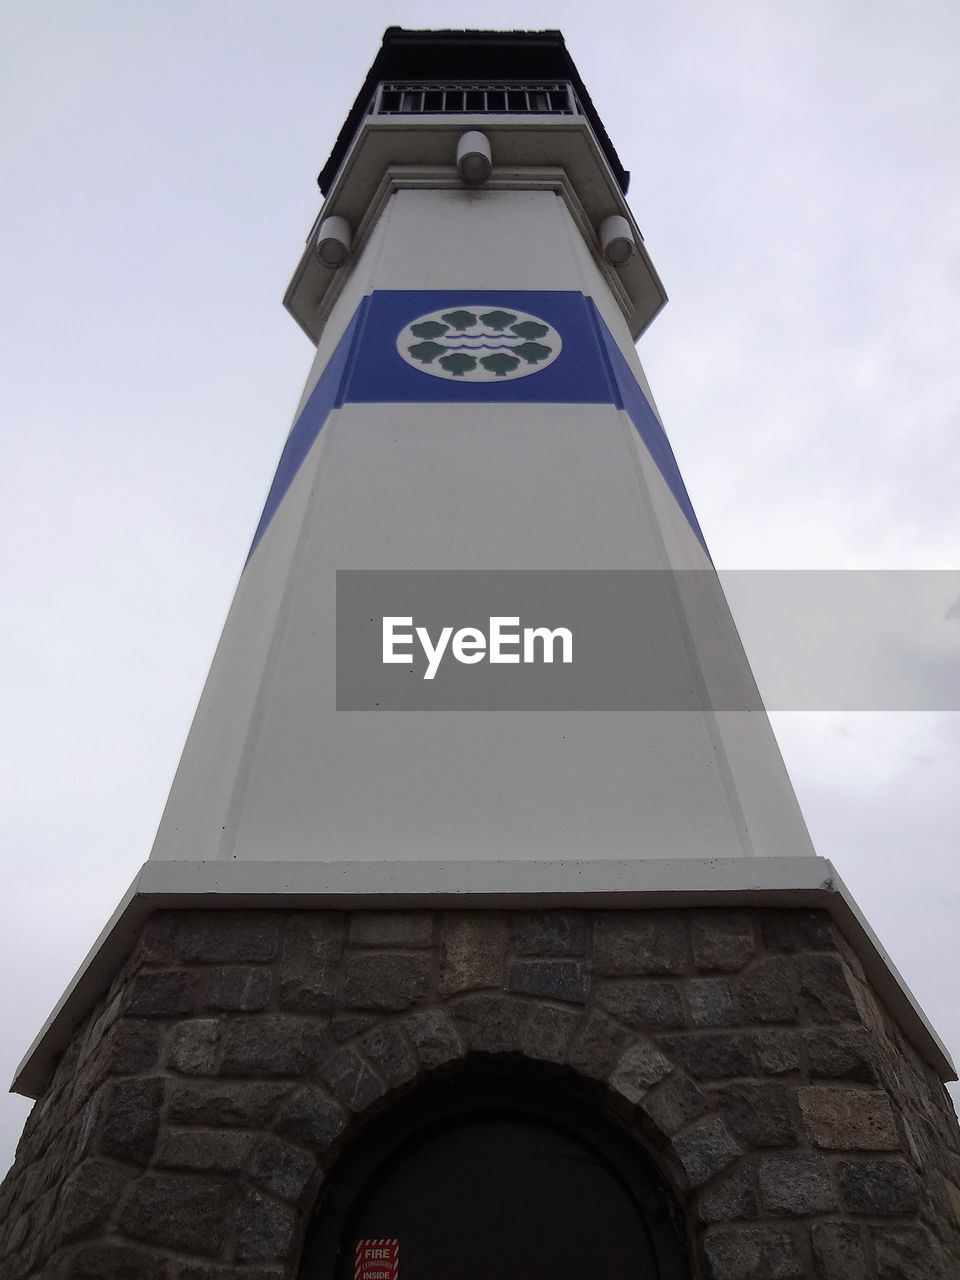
(773, 882)
(522, 147)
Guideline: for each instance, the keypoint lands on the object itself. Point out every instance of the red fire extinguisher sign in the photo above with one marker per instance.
(377, 1259)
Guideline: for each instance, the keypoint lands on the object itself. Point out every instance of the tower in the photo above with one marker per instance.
(404, 927)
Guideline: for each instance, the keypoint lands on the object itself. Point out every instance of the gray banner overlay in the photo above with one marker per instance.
(635, 640)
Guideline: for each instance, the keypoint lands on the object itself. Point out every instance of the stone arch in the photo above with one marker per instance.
(627, 1077)
(510, 1089)
(623, 1077)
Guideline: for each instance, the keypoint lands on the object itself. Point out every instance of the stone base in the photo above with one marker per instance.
(188, 1127)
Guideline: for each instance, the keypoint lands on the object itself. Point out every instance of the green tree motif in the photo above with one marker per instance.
(425, 352)
(527, 329)
(458, 364)
(466, 320)
(429, 329)
(532, 352)
(500, 363)
(497, 319)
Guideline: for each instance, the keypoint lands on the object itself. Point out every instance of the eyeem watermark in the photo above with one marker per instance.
(506, 643)
(502, 640)
(647, 640)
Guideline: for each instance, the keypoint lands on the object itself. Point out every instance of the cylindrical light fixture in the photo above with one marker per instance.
(473, 157)
(333, 241)
(616, 240)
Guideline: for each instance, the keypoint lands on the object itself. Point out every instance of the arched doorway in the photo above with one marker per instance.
(488, 1178)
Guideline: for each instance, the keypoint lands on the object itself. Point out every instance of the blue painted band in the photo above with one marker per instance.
(631, 399)
(366, 368)
(326, 395)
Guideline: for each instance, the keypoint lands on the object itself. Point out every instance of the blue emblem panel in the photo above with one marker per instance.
(585, 366)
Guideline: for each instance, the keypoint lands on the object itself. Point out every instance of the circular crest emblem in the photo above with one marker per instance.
(479, 344)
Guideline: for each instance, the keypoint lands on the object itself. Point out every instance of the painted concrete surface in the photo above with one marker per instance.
(545, 472)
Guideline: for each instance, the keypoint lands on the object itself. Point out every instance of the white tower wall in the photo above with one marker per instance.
(273, 771)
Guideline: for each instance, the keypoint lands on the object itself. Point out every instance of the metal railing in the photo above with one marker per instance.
(488, 97)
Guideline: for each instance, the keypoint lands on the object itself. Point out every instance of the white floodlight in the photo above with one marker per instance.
(473, 158)
(333, 241)
(617, 240)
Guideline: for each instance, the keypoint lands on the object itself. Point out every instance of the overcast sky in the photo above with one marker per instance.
(794, 173)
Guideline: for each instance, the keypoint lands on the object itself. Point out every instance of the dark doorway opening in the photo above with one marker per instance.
(490, 1178)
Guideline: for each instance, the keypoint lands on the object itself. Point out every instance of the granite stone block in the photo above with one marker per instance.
(551, 933)
(706, 1149)
(386, 980)
(849, 1119)
(434, 1036)
(637, 945)
(722, 940)
(753, 1253)
(796, 1184)
(642, 1003)
(565, 980)
(839, 1250)
(181, 1211)
(875, 1185)
(473, 951)
(391, 929)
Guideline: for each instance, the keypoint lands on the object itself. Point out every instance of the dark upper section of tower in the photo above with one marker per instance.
(471, 73)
